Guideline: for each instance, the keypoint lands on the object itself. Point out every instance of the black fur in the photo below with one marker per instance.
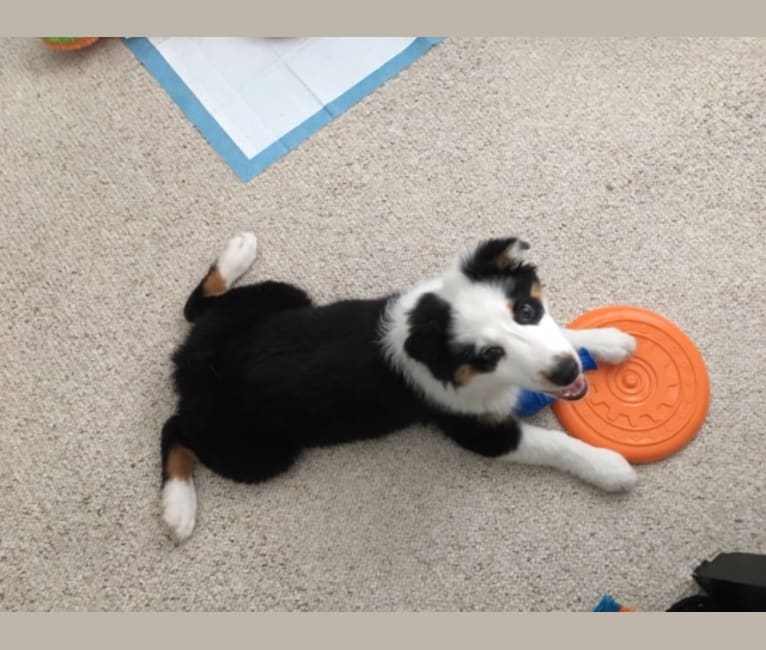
(428, 342)
(196, 302)
(264, 374)
(431, 342)
(488, 262)
(481, 436)
(169, 437)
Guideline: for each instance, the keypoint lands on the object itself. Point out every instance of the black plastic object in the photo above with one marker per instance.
(734, 582)
(698, 603)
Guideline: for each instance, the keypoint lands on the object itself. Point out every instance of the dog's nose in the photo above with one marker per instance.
(565, 371)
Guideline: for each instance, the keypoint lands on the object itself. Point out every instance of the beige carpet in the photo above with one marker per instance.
(637, 169)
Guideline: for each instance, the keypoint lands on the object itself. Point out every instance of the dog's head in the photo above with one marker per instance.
(485, 324)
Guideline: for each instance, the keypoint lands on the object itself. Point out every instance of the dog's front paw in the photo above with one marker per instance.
(612, 345)
(610, 471)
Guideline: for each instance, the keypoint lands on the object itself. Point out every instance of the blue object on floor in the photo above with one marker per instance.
(245, 167)
(607, 604)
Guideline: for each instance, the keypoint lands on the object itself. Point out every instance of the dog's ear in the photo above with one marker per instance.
(494, 257)
(427, 341)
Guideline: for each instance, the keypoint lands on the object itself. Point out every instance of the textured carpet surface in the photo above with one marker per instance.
(637, 170)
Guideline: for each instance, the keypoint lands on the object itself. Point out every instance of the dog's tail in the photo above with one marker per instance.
(179, 499)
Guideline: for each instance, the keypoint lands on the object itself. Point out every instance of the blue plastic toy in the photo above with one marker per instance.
(609, 604)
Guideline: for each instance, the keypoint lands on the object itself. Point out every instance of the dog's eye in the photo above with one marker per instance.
(526, 313)
(491, 353)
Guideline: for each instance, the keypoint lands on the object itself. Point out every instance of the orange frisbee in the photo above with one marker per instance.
(650, 406)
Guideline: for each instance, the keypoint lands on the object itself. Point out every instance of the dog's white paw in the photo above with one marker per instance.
(611, 345)
(610, 471)
(237, 257)
(179, 507)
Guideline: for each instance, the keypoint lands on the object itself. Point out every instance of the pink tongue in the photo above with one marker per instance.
(575, 390)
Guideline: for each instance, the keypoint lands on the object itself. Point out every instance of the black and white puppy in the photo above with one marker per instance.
(264, 373)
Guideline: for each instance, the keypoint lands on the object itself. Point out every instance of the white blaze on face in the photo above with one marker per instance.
(542, 345)
(483, 316)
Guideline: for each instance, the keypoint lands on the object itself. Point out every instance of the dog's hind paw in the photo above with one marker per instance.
(237, 257)
(179, 507)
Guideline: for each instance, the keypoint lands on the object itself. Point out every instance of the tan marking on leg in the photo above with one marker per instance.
(214, 283)
(464, 374)
(536, 290)
(180, 463)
